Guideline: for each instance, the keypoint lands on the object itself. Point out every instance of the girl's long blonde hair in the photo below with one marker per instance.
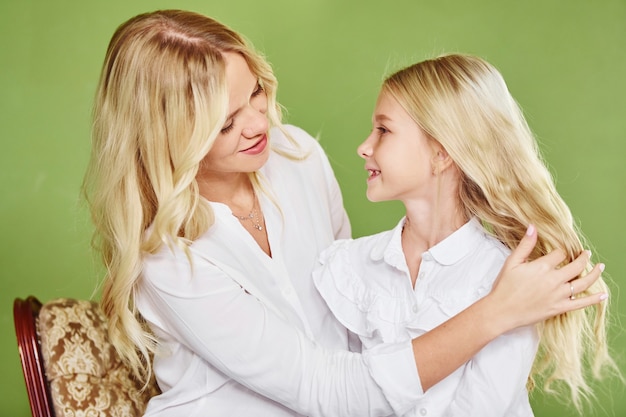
(161, 102)
(463, 102)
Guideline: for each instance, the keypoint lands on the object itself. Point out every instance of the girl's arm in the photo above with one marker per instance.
(524, 293)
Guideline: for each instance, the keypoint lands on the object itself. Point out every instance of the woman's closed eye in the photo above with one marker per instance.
(230, 124)
(228, 127)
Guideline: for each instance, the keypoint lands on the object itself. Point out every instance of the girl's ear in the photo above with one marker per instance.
(441, 160)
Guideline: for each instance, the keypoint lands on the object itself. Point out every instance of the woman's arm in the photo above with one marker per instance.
(524, 293)
(242, 337)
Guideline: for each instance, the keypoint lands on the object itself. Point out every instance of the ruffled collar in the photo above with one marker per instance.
(447, 252)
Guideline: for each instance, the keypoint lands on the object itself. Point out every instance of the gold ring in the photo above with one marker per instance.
(571, 289)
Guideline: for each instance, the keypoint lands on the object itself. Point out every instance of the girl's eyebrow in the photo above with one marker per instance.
(381, 118)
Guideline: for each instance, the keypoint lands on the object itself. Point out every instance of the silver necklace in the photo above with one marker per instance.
(254, 216)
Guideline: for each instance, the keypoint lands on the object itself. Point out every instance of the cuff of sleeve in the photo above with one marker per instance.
(393, 368)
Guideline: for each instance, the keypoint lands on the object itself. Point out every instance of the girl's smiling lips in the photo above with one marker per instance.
(257, 148)
(372, 173)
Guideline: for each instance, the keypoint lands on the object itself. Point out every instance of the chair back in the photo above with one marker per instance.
(25, 317)
(84, 374)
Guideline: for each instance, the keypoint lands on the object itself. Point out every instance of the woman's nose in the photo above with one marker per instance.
(258, 123)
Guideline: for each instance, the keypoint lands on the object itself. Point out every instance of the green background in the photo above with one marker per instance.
(564, 61)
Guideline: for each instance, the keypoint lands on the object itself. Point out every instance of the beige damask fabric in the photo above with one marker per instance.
(87, 378)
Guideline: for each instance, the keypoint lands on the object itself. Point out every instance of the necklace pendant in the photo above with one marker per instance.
(253, 217)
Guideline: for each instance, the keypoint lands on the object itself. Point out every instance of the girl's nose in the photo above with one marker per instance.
(365, 149)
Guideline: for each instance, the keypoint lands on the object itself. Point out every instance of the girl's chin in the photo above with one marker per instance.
(373, 197)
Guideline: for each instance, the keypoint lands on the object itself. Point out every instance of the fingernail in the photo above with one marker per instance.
(530, 230)
(602, 266)
(588, 253)
(604, 296)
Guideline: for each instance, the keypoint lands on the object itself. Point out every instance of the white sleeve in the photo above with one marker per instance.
(494, 380)
(235, 332)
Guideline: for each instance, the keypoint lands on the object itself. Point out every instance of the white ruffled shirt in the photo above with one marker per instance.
(243, 334)
(367, 286)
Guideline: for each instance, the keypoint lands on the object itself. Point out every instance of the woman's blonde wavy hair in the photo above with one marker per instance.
(462, 102)
(160, 103)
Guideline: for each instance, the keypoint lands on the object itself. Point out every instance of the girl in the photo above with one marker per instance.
(450, 142)
(210, 215)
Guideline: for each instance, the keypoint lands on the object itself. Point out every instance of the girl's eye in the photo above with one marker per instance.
(258, 91)
(228, 128)
(382, 130)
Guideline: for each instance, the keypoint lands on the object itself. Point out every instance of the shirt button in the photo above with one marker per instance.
(421, 275)
(287, 291)
(414, 308)
(423, 411)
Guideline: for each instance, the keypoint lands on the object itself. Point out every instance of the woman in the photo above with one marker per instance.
(450, 143)
(210, 216)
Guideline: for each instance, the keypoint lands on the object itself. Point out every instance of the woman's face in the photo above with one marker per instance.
(242, 145)
(399, 156)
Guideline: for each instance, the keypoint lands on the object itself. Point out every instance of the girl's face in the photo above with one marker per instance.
(399, 157)
(242, 145)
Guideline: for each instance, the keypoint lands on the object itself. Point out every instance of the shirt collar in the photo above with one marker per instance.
(389, 247)
(459, 244)
(447, 252)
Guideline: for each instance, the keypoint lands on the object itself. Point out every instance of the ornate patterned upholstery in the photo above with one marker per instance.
(86, 376)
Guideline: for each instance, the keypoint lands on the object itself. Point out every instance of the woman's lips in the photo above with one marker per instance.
(257, 148)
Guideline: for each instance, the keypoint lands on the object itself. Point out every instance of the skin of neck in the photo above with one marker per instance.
(433, 218)
(233, 189)
(430, 219)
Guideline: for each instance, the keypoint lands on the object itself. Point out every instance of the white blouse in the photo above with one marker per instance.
(367, 286)
(245, 334)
